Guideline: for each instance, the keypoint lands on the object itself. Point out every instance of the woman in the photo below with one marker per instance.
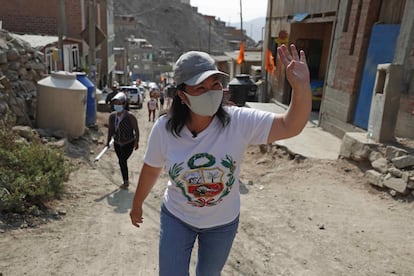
(201, 144)
(123, 128)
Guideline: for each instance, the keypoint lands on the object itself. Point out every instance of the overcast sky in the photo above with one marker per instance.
(229, 10)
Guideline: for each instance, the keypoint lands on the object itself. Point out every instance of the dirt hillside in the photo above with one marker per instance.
(172, 26)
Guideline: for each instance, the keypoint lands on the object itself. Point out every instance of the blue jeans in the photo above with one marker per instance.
(177, 241)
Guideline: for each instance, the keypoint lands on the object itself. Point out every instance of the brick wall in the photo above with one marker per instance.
(74, 17)
(352, 45)
(29, 24)
(40, 16)
(35, 16)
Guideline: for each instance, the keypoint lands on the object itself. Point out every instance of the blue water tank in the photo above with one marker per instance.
(91, 101)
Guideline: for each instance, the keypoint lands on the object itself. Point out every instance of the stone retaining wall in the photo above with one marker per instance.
(21, 67)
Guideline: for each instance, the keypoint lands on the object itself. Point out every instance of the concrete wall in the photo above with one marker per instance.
(385, 102)
(404, 54)
(334, 112)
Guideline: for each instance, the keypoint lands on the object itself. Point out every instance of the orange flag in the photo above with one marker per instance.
(240, 59)
(270, 63)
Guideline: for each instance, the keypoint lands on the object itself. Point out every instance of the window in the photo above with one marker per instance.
(71, 60)
(51, 54)
(75, 57)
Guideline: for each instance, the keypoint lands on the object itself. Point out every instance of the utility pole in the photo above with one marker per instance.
(267, 45)
(241, 22)
(92, 42)
(61, 32)
(209, 35)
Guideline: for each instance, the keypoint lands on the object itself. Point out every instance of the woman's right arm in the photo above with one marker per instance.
(147, 179)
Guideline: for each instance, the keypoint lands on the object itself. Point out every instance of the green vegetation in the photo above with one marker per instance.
(30, 173)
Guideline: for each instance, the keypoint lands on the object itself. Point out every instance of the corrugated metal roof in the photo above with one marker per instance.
(37, 40)
(299, 17)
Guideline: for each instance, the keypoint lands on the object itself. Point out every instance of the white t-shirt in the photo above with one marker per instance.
(152, 104)
(203, 186)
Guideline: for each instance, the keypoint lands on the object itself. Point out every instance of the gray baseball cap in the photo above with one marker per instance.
(194, 67)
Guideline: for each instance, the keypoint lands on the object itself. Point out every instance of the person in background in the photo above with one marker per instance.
(169, 93)
(162, 96)
(200, 143)
(152, 105)
(110, 95)
(123, 128)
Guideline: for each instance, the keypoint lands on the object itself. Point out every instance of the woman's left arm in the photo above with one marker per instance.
(292, 122)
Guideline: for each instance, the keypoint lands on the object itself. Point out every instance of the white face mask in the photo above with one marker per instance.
(205, 104)
(118, 108)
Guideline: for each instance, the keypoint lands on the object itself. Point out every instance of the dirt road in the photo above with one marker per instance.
(298, 217)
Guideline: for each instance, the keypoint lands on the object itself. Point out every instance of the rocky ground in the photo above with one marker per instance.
(299, 217)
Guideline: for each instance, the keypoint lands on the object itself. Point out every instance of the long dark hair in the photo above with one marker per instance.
(180, 113)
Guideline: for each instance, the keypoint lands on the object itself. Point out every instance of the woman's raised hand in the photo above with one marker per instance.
(297, 70)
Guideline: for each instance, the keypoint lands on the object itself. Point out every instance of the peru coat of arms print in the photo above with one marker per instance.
(206, 182)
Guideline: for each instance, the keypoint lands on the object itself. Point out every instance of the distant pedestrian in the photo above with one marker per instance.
(110, 95)
(152, 107)
(169, 93)
(123, 128)
(162, 97)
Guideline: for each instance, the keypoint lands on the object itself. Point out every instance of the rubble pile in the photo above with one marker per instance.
(21, 67)
(392, 167)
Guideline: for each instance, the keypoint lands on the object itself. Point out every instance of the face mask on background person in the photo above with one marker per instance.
(118, 107)
(205, 104)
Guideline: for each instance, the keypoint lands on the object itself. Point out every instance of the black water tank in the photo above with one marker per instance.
(242, 89)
